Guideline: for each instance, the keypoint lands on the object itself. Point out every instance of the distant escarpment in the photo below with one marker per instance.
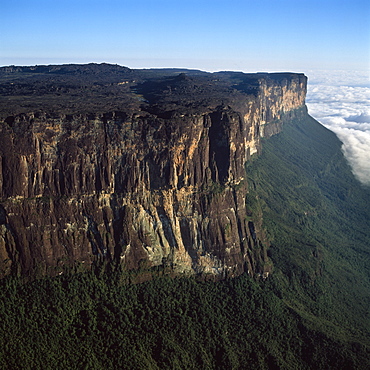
(141, 168)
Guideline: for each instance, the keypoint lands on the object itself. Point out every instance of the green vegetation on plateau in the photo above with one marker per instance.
(312, 312)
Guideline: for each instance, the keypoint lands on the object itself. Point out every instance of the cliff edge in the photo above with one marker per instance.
(141, 168)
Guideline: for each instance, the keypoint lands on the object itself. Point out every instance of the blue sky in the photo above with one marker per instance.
(210, 35)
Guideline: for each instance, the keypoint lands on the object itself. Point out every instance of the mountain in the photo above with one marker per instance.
(138, 168)
(233, 208)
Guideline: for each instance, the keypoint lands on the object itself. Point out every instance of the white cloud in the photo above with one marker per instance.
(361, 118)
(339, 78)
(341, 102)
(356, 148)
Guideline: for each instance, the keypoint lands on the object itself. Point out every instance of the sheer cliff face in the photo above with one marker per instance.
(139, 188)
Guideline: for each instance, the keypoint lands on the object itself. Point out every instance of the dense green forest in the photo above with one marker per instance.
(312, 312)
(96, 321)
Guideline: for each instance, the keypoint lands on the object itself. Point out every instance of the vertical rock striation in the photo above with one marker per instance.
(137, 187)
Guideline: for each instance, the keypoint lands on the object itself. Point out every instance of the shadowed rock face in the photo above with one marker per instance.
(159, 181)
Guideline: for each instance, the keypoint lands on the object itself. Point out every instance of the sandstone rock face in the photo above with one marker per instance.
(138, 188)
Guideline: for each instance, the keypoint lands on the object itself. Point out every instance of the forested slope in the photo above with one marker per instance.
(317, 218)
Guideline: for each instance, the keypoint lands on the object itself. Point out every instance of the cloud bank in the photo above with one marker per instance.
(341, 102)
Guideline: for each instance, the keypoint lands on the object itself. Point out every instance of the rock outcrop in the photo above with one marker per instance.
(159, 182)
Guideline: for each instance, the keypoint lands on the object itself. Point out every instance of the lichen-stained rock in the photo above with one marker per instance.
(152, 184)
